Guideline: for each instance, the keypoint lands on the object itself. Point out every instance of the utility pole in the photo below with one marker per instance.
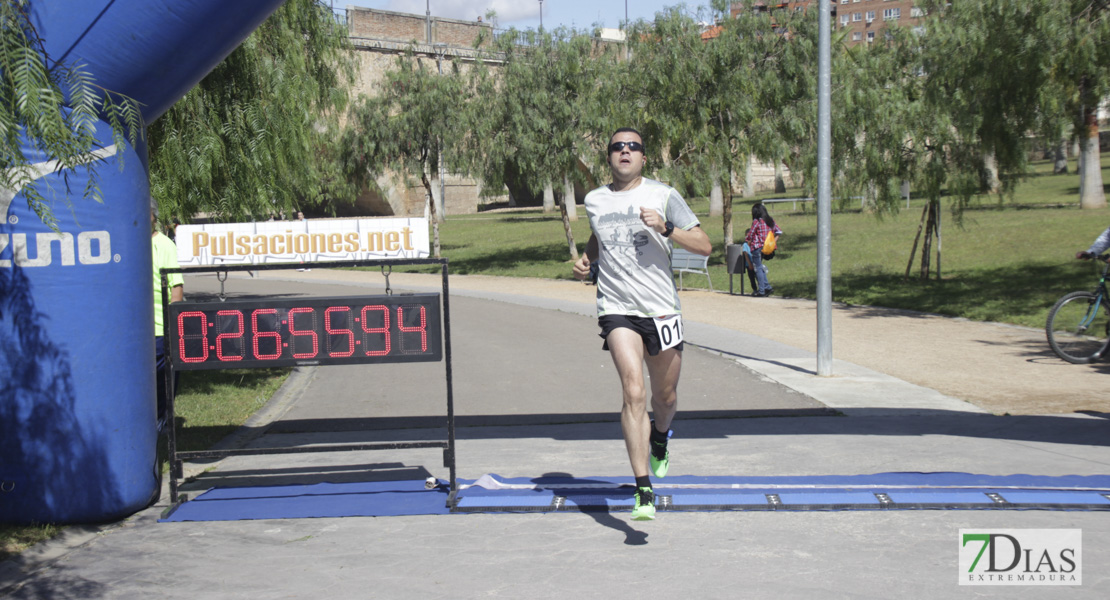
(824, 192)
(541, 15)
(428, 20)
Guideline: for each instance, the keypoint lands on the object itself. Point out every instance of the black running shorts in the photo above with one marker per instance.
(641, 325)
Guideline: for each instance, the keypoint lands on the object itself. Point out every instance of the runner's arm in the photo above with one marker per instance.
(694, 239)
(582, 265)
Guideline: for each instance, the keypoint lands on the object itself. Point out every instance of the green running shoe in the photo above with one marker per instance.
(645, 505)
(660, 457)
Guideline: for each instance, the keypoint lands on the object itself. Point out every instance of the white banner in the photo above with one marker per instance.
(302, 241)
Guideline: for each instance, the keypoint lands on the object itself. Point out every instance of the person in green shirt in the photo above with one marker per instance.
(164, 253)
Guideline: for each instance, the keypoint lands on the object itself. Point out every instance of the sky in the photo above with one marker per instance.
(525, 14)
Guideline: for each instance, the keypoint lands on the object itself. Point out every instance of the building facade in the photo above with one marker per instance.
(861, 20)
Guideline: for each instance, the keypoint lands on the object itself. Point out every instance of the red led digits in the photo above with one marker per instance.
(234, 337)
(265, 332)
(184, 337)
(422, 329)
(384, 329)
(335, 333)
(311, 349)
(259, 336)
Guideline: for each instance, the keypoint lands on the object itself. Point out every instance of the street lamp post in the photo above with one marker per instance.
(428, 20)
(541, 14)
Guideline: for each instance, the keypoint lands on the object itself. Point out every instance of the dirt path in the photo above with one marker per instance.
(1000, 368)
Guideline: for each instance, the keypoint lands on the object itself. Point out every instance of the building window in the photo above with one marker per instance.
(857, 36)
(892, 14)
(916, 12)
(870, 36)
(857, 17)
(870, 16)
(844, 20)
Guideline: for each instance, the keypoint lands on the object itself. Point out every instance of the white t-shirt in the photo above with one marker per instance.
(635, 276)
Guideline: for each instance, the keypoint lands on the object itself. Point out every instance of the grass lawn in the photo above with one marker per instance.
(1007, 260)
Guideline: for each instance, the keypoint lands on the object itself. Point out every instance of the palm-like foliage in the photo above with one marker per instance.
(49, 112)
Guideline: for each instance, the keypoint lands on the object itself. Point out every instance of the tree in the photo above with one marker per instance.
(1002, 83)
(1082, 70)
(414, 121)
(50, 110)
(542, 114)
(715, 102)
(258, 135)
(947, 110)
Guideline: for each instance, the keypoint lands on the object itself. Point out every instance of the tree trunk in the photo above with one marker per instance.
(437, 196)
(990, 181)
(1060, 154)
(916, 240)
(780, 182)
(936, 228)
(565, 212)
(726, 215)
(432, 214)
(1091, 194)
(548, 197)
(716, 196)
(870, 201)
(749, 183)
(568, 200)
(927, 243)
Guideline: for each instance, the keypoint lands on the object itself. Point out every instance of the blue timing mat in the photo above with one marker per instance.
(363, 499)
(492, 493)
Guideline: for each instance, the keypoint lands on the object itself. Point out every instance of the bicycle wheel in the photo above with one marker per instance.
(1078, 327)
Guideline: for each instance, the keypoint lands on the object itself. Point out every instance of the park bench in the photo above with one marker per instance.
(684, 261)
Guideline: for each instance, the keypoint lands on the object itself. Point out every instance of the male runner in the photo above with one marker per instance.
(634, 220)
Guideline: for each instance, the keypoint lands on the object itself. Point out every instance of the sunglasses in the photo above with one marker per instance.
(632, 146)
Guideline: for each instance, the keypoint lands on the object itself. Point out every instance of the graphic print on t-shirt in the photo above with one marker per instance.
(625, 240)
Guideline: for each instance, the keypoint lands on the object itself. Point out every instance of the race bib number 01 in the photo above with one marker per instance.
(669, 330)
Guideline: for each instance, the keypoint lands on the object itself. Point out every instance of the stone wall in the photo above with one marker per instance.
(374, 24)
(380, 37)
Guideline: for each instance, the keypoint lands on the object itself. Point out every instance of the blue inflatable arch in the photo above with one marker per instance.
(77, 422)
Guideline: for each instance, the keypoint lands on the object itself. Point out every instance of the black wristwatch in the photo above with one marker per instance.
(669, 229)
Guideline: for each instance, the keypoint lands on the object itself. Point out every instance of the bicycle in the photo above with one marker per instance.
(1078, 326)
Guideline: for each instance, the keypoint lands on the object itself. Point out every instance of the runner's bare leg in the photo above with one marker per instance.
(664, 369)
(627, 349)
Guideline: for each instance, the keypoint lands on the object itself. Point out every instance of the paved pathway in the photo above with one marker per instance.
(539, 397)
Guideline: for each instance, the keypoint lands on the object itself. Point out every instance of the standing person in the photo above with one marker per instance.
(749, 268)
(300, 217)
(634, 220)
(164, 253)
(757, 235)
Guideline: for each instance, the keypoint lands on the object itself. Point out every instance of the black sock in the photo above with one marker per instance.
(644, 481)
(659, 437)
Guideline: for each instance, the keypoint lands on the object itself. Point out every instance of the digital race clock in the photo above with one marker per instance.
(265, 332)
